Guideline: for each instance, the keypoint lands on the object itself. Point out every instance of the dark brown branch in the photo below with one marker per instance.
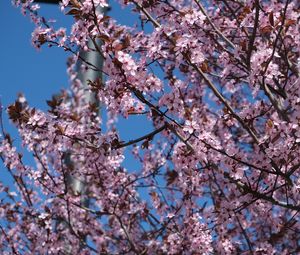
(213, 25)
(253, 35)
(9, 241)
(263, 196)
(236, 216)
(217, 93)
(148, 136)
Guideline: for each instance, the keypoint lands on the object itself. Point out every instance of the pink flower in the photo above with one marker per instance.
(191, 126)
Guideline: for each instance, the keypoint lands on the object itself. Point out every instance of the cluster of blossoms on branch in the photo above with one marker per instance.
(218, 81)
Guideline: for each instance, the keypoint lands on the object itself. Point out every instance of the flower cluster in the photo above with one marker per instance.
(220, 171)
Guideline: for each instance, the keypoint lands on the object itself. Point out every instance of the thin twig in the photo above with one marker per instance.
(253, 35)
(213, 25)
(148, 136)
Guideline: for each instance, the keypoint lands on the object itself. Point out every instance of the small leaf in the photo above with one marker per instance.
(75, 117)
(266, 29)
(104, 38)
(8, 138)
(118, 47)
(42, 39)
(153, 195)
(73, 12)
(115, 143)
(290, 22)
(271, 18)
(131, 110)
(243, 45)
(204, 67)
(183, 68)
(90, 28)
(145, 144)
(59, 130)
(126, 42)
(15, 111)
(75, 3)
(104, 19)
(171, 176)
(119, 32)
(270, 123)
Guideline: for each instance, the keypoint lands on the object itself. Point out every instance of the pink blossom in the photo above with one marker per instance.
(216, 85)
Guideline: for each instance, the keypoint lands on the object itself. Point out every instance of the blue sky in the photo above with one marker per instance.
(37, 74)
(40, 74)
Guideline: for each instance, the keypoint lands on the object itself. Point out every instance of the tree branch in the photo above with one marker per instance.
(148, 136)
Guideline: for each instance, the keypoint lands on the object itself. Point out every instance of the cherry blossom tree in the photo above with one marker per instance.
(218, 81)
